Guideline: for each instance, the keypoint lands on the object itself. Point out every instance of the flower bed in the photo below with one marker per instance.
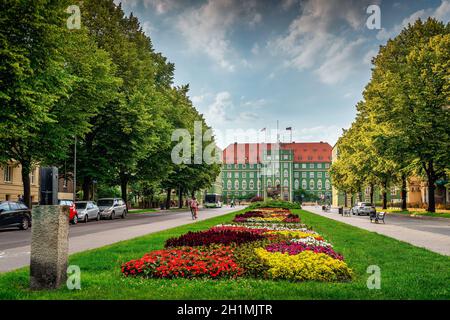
(213, 236)
(264, 243)
(185, 262)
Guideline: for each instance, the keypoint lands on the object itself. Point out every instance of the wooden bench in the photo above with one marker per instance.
(379, 216)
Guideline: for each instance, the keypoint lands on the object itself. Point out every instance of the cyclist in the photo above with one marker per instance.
(194, 208)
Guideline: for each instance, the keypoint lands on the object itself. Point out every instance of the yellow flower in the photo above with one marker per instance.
(306, 265)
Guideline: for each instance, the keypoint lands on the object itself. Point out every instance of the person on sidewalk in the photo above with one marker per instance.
(194, 208)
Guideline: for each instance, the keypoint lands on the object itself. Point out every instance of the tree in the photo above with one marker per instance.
(409, 93)
(42, 82)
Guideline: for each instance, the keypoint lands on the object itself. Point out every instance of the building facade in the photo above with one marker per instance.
(281, 169)
(11, 186)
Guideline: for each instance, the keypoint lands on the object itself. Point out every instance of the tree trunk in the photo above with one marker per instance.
(180, 198)
(371, 193)
(345, 199)
(385, 184)
(169, 190)
(123, 187)
(431, 200)
(87, 182)
(431, 187)
(26, 169)
(404, 193)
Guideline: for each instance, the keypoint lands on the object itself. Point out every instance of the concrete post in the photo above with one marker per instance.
(49, 247)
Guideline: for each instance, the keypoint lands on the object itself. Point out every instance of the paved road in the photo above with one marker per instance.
(15, 244)
(431, 234)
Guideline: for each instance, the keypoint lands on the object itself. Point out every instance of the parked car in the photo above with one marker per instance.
(87, 210)
(112, 208)
(73, 217)
(363, 208)
(14, 214)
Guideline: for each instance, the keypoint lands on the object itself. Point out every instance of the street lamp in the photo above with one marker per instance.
(75, 170)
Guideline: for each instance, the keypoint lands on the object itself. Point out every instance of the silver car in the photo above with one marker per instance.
(87, 210)
(363, 208)
(112, 208)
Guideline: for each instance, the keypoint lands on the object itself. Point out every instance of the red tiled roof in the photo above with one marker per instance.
(253, 152)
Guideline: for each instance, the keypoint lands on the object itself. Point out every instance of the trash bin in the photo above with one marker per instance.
(341, 210)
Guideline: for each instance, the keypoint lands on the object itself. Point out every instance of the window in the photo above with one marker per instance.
(311, 184)
(7, 174)
(319, 166)
(303, 174)
(296, 165)
(269, 183)
(244, 166)
(228, 166)
(269, 172)
(251, 166)
(259, 184)
(303, 165)
(285, 157)
(285, 165)
(244, 185)
(319, 184)
(4, 206)
(285, 174)
(304, 184)
(311, 165)
(296, 175)
(327, 174)
(277, 173)
(229, 185)
(244, 175)
(251, 185)
(236, 166)
(311, 174)
(236, 174)
(236, 184)
(229, 175)
(251, 174)
(319, 174)
(327, 184)
(277, 165)
(286, 183)
(327, 165)
(296, 184)
(33, 177)
(277, 183)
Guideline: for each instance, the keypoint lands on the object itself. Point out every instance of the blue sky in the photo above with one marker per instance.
(250, 63)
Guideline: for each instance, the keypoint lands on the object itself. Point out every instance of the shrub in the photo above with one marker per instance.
(185, 262)
(306, 265)
(275, 204)
(297, 247)
(204, 238)
(257, 199)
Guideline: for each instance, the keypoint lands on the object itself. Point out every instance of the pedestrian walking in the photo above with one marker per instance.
(194, 208)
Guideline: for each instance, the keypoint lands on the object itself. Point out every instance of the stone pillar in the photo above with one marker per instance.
(49, 247)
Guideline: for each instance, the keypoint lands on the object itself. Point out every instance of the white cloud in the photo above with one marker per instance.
(328, 134)
(317, 40)
(207, 28)
(441, 13)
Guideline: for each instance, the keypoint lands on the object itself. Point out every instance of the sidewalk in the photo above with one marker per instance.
(418, 232)
(18, 257)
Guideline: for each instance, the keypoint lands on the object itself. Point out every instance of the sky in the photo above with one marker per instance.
(253, 63)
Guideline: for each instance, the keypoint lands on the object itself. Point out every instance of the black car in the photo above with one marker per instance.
(14, 214)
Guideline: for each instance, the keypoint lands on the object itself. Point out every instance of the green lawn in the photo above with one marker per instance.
(407, 272)
(418, 213)
(142, 211)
